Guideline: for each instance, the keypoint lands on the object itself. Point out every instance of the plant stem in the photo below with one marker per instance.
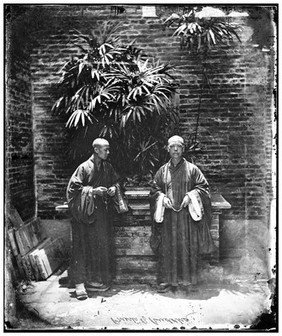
(198, 117)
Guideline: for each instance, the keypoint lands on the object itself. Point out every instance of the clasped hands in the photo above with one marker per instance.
(168, 204)
(101, 191)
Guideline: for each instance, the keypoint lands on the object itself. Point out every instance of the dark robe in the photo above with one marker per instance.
(179, 240)
(92, 224)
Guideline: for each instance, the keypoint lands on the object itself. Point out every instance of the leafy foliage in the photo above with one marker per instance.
(123, 93)
(200, 33)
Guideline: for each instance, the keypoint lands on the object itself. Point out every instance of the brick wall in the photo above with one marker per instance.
(235, 125)
(235, 117)
(19, 177)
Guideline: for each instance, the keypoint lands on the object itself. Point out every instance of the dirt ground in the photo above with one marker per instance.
(234, 305)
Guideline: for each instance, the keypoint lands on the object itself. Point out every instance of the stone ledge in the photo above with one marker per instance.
(218, 202)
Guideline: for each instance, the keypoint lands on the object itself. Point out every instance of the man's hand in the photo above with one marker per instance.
(185, 201)
(111, 191)
(100, 191)
(167, 203)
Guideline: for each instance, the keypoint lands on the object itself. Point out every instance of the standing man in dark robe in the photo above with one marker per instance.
(180, 203)
(89, 195)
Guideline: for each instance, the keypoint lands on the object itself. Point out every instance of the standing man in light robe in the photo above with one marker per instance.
(183, 233)
(89, 195)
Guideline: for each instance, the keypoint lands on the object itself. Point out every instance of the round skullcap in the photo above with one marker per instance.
(175, 140)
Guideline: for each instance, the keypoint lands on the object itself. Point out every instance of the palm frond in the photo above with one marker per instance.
(78, 116)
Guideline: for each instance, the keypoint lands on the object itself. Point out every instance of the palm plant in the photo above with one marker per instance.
(118, 92)
(198, 35)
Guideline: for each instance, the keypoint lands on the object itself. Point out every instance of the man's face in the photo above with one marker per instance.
(175, 151)
(103, 151)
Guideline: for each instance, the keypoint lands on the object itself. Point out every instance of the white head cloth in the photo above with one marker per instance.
(175, 140)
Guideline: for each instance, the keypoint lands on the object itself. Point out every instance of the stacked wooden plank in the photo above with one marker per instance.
(36, 255)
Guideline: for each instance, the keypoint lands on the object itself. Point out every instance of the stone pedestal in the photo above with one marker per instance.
(135, 260)
(218, 204)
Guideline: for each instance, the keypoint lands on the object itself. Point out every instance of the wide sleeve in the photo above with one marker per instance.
(80, 196)
(75, 184)
(199, 182)
(200, 186)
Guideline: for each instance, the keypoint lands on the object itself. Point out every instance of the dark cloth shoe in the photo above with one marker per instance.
(163, 288)
(186, 288)
(94, 284)
(99, 288)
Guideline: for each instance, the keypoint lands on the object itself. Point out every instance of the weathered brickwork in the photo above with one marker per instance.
(20, 188)
(235, 115)
(235, 121)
